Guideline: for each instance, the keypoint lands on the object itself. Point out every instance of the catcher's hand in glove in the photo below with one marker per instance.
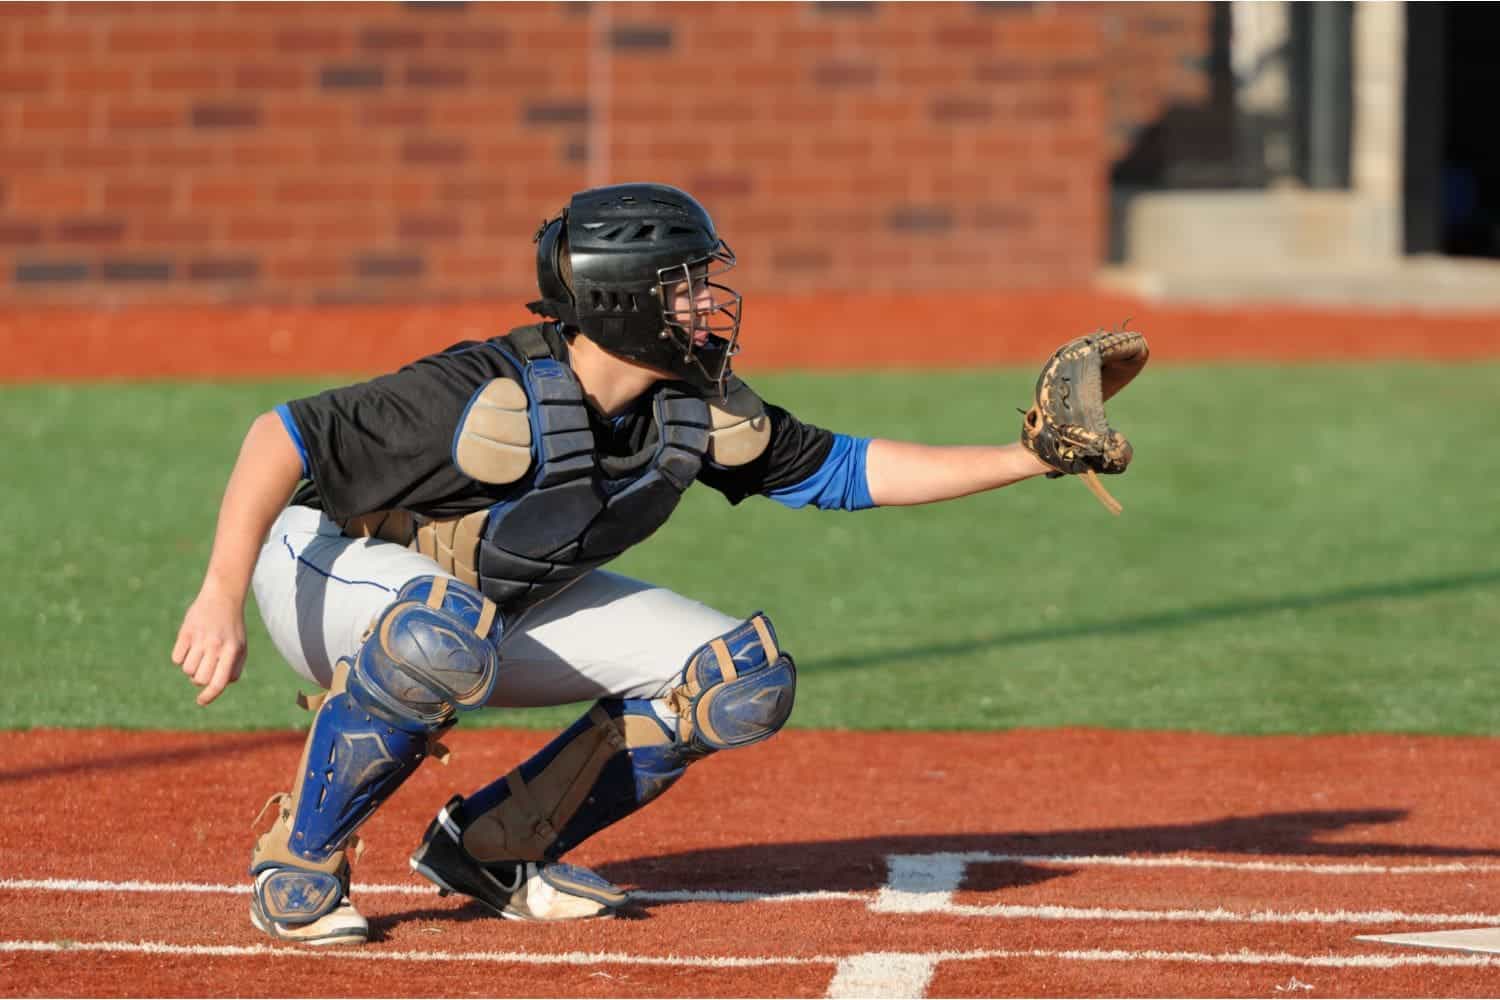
(1065, 426)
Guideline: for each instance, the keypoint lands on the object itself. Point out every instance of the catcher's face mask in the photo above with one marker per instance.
(701, 316)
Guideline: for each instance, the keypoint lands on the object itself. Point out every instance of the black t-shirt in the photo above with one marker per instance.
(388, 443)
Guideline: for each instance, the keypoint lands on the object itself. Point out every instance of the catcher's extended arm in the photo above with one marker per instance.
(1066, 426)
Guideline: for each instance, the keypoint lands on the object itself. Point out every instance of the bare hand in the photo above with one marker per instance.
(210, 645)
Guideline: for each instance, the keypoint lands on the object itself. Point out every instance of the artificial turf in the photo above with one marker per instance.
(1303, 549)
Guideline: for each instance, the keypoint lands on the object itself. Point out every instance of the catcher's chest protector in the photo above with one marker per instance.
(576, 509)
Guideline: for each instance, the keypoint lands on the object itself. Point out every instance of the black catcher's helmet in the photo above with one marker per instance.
(634, 250)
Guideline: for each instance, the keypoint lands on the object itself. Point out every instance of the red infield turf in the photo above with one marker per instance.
(1074, 862)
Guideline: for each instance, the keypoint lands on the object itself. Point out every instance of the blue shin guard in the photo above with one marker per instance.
(735, 690)
(427, 656)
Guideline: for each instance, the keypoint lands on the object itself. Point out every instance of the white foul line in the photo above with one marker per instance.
(1376, 961)
(917, 884)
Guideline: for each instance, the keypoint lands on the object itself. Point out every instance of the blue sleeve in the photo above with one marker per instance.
(285, 413)
(840, 482)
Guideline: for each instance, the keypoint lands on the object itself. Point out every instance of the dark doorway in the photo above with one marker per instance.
(1452, 183)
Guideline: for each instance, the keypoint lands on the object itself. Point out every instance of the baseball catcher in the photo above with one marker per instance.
(433, 541)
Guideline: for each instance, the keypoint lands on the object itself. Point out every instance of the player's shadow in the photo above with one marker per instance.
(1004, 860)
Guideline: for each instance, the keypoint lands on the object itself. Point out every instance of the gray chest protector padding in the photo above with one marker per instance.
(741, 428)
(493, 443)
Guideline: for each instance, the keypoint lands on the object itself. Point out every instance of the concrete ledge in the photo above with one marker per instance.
(1209, 232)
(1440, 284)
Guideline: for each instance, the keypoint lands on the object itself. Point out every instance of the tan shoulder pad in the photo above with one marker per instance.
(494, 441)
(741, 428)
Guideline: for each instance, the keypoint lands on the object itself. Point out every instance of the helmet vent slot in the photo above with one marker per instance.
(679, 231)
(611, 234)
(645, 232)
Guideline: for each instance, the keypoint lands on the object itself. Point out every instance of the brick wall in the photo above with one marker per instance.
(350, 152)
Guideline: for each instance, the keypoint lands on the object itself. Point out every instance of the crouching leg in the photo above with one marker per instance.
(429, 655)
(501, 845)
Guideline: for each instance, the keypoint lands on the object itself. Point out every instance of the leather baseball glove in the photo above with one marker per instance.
(1066, 426)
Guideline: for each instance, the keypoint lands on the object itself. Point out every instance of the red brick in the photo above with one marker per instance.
(430, 227)
(178, 157)
(14, 157)
(50, 41)
(98, 80)
(883, 110)
(315, 115)
(143, 116)
(790, 40)
(386, 114)
(323, 41)
(223, 193)
(188, 78)
(411, 192)
(507, 76)
(260, 229)
(912, 75)
(136, 194)
(961, 110)
(307, 267)
(20, 233)
(24, 81)
(844, 73)
(80, 230)
(321, 191)
(346, 229)
(483, 266)
(233, 40)
(964, 36)
(223, 269)
(722, 184)
(881, 184)
(155, 230)
(148, 40)
(113, 156)
(56, 117)
(436, 76)
(391, 39)
(214, 115)
(480, 189)
(434, 151)
(269, 153)
(483, 39)
(352, 152)
(266, 76)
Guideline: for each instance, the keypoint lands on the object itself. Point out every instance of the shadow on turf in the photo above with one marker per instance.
(860, 865)
(1163, 620)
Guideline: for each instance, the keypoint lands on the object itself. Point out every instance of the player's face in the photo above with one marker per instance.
(692, 305)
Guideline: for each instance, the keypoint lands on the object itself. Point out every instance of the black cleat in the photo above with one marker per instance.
(515, 890)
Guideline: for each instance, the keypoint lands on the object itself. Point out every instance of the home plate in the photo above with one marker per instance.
(1483, 939)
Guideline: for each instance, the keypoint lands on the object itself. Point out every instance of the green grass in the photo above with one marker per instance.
(1307, 549)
